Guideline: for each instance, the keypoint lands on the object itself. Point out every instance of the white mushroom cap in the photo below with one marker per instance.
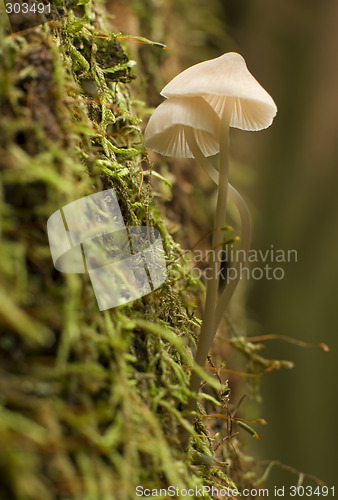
(226, 76)
(167, 129)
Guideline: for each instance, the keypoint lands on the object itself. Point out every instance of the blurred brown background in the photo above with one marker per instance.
(289, 176)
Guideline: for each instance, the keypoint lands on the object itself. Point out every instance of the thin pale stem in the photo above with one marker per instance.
(206, 333)
(206, 337)
(207, 329)
(246, 225)
(245, 245)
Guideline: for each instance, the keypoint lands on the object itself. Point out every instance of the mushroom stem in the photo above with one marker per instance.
(207, 329)
(245, 245)
(206, 335)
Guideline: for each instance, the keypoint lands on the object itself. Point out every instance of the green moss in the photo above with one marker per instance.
(90, 402)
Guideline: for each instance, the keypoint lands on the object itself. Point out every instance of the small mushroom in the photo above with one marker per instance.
(185, 128)
(240, 101)
(177, 123)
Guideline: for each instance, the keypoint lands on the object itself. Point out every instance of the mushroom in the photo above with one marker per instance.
(176, 124)
(225, 79)
(240, 101)
(189, 128)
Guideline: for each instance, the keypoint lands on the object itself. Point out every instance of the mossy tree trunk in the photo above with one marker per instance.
(91, 402)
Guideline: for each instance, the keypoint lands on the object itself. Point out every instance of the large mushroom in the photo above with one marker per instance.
(222, 81)
(241, 102)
